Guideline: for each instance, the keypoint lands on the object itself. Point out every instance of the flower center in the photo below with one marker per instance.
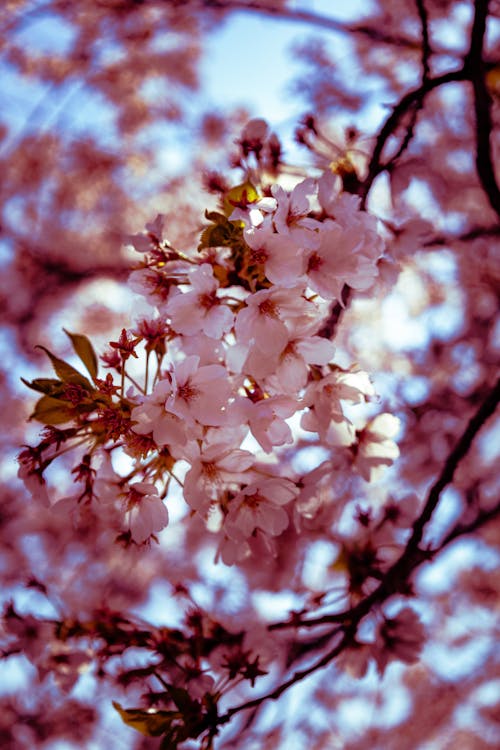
(207, 300)
(259, 256)
(315, 262)
(253, 501)
(210, 471)
(187, 392)
(269, 308)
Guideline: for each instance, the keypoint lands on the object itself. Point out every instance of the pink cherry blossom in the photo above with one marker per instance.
(324, 398)
(282, 259)
(355, 660)
(151, 416)
(225, 395)
(290, 218)
(213, 470)
(260, 321)
(199, 394)
(146, 512)
(266, 419)
(290, 370)
(259, 506)
(376, 448)
(144, 242)
(400, 637)
(31, 476)
(65, 664)
(254, 214)
(271, 316)
(200, 309)
(345, 255)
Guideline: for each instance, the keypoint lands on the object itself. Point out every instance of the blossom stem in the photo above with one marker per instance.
(146, 374)
(134, 382)
(296, 677)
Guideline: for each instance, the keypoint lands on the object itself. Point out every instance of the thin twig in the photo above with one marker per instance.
(462, 529)
(418, 104)
(295, 678)
(473, 234)
(326, 23)
(475, 67)
(409, 100)
(426, 46)
(461, 449)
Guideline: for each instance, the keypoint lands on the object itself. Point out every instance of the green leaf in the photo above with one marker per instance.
(216, 217)
(66, 372)
(145, 722)
(221, 233)
(244, 193)
(52, 411)
(49, 386)
(84, 349)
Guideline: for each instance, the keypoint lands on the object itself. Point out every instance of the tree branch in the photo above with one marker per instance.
(312, 19)
(462, 529)
(327, 331)
(411, 99)
(475, 67)
(426, 47)
(412, 556)
(296, 677)
(473, 234)
(486, 409)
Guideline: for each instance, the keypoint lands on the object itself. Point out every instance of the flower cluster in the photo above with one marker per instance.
(240, 358)
(229, 393)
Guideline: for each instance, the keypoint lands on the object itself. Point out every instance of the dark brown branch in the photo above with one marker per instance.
(417, 105)
(397, 576)
(461, 449)
(408, 136)
(408, 101)
(426, 46)
(327, 331)
(476, 69)
(462, 529)
(473, 234)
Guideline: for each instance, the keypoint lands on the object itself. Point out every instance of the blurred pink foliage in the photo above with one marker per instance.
(277, 484)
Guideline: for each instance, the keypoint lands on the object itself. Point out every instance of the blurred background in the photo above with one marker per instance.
(116, 110)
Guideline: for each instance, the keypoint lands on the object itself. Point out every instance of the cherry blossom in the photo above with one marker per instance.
(259, 506)
(200, 309)
(324, 398)
(343, 256)
(282, 259)
(299, 549)
(266, 419)
(199, 394)
(151, 416)
(400, 637)
(375, 447)
(212, 470)
(233, 413)
(290, 371)
(291, 217)
(146, 512)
